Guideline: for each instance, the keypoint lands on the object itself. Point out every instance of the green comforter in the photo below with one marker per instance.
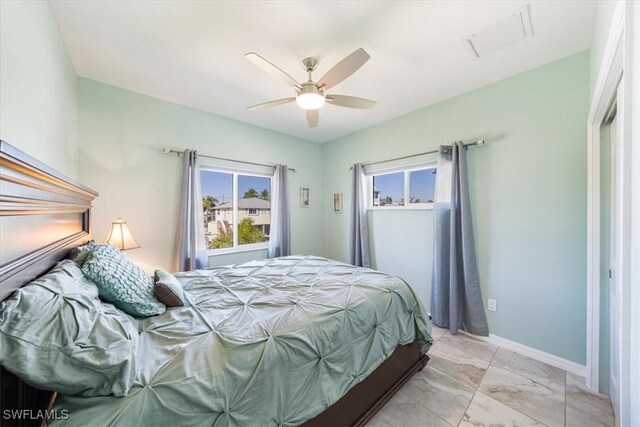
(272, 342)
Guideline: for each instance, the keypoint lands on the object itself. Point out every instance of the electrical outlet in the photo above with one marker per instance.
(492, 305)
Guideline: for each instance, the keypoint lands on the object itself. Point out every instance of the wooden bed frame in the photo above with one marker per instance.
(44, 215)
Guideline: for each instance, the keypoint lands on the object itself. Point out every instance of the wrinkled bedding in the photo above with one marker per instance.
(271, 342)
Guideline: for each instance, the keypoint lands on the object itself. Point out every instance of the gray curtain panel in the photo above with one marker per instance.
(190, 250)
(280, 236)
(456, 300)
(359, 224)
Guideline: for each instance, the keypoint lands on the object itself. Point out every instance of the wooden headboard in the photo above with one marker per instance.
(43, 215)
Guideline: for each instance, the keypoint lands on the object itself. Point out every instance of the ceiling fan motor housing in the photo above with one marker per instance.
(310, 64)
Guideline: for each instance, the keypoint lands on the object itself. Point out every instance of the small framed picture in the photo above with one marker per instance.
(304, 197)
(337, 202)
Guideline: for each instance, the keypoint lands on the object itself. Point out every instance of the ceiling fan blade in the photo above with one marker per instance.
(313, 116)
(344, 69)
(350, 101)
(272, 69)
(271, 104)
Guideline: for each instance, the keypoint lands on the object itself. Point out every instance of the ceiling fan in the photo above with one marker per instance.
(311, 95)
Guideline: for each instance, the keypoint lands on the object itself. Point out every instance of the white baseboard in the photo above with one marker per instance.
(540, 356)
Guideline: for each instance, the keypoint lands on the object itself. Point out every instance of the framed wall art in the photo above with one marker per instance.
(337, 202)
(304, 197)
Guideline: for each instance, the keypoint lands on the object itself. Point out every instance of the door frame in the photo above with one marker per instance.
(615, 252)
(609, 75)
(633, 417)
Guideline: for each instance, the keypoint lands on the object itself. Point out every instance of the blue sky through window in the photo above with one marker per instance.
(421, 186)
(217, 184)
(220, 185)
(258, 183)
(390, 185)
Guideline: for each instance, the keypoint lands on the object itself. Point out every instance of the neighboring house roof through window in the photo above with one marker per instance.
(252, 203)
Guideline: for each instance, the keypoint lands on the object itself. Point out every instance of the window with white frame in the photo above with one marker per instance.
(407, 188)
(237, 209)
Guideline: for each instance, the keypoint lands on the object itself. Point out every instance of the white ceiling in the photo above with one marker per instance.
(192, 52)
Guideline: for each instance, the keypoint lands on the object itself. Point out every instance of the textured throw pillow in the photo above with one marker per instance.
(56, 334)
(168, 289)
(121, 282)
(79, 254)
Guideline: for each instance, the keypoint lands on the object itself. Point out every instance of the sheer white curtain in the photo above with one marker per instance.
(190, 250)
(280, 236)
(359, 244)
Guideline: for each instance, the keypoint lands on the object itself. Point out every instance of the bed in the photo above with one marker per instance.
(289, 341)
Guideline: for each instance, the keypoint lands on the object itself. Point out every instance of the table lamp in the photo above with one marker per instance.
(121, 237)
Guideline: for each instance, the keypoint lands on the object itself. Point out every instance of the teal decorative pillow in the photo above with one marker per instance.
(168, 289)
(121, 282)
(56, 334)
(79, 254)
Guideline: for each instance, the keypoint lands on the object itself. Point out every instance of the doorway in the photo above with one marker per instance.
(610, 304)
(611, 200)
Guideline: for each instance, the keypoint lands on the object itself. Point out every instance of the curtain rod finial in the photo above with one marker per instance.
(171, 151)
(480, 142)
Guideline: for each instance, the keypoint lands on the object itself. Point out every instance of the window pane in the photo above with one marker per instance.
(388, 190)
(254, 209)
(422, 185)
(217, 202)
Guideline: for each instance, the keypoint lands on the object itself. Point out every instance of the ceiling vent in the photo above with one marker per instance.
(513, 29)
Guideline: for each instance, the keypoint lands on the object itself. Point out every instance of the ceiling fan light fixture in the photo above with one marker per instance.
(310, 101)
(310, 97)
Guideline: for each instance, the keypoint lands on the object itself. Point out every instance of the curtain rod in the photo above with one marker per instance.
(478, 143)
(180, 153)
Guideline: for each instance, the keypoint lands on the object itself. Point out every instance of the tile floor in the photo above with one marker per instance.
(469, 382)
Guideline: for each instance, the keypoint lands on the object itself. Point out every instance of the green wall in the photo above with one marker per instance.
(121, 135)
(528, 195)
(38, 107)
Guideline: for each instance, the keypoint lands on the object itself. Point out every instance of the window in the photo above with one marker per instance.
(237, 210)
(410, 188)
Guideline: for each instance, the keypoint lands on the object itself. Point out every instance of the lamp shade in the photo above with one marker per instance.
(121, 237)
